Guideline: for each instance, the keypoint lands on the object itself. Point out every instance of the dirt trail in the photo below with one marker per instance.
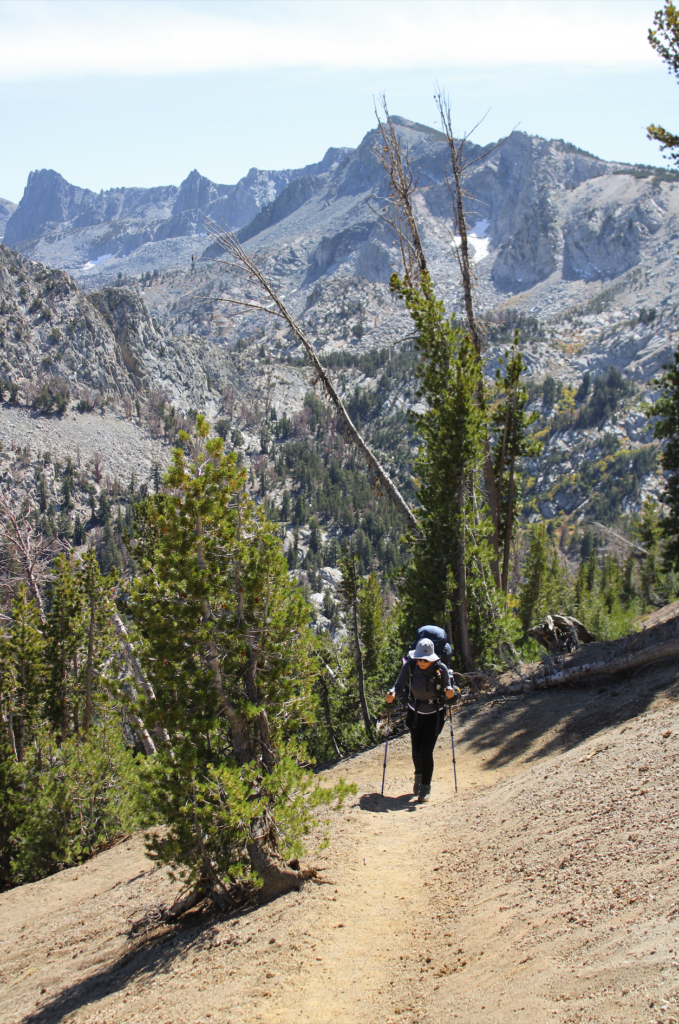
(545, 891)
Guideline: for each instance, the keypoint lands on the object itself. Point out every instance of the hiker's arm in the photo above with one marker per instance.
(448, 683)
(399, 685)
(452, 692)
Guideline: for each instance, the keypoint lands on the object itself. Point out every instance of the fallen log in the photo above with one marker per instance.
(657, 643)
(623, 663)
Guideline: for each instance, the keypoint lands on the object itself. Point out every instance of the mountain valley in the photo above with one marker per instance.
(120, 298)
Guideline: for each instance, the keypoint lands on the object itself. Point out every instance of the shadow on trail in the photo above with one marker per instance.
(555, 721)
(148, 959)
(383, 804)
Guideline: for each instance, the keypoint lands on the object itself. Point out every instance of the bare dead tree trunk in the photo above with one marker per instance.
(144, 684)
(627, 661)
(397, 211)
(31, 550)
(242, 262)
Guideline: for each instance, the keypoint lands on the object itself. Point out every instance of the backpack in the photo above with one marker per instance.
(439, 639)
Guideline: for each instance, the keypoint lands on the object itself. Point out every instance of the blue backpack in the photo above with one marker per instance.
(439, 639)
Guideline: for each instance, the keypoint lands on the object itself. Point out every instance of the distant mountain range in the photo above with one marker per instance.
(542, 209)
(579, 252)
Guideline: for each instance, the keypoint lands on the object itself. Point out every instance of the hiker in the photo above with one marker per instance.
(429, 687)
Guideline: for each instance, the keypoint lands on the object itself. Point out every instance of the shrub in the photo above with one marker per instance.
(70, 799)
(53, 396)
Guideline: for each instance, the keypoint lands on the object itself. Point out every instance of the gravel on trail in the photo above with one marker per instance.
(545, 891)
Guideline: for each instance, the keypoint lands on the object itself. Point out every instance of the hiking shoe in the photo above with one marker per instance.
(423, 794)
(417, 783)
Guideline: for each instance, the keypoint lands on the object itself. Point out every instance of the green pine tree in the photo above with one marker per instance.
(24, 671)
(225, 643)
(666, 428)
(65, 632)
(449, 570)
(545, 586)
(510, 425)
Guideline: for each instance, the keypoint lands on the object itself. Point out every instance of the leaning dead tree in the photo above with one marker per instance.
(27, 553)
(269, 301)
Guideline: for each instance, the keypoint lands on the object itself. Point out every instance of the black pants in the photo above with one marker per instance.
(424, 731)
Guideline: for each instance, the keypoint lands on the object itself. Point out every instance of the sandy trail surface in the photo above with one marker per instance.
(546, 890)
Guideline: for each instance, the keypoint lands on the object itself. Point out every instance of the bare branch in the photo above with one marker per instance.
(397, 211)
(228, 241)
(30, 549)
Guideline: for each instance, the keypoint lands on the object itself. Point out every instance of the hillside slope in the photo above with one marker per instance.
(545, 890)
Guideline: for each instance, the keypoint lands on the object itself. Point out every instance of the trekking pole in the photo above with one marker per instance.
(386, 748)
(452, 743)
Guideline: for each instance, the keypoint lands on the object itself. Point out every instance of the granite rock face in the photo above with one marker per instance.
(583, 249)
(7, 208)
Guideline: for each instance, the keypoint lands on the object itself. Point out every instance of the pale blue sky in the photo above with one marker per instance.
(139, 93)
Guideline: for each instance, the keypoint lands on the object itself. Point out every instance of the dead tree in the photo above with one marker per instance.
(398, 211)
(28, 552)
(459, 168)
(245, 267)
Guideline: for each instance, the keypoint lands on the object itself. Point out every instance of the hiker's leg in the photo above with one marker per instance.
(416, 744)
(428, 735)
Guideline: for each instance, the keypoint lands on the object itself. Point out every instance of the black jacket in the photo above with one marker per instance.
(427, 688)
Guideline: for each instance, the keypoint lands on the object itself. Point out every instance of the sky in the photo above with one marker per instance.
(139, 92)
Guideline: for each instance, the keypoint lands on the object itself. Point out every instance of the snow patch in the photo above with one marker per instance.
(478, 240)
(99, 259)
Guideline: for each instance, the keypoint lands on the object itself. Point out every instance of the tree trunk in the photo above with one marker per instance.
(131, 659)
(359, 668)
(277, 876)
(626, 662)
(510, 501)
(461, 580)
(90, 669)
(326, 712)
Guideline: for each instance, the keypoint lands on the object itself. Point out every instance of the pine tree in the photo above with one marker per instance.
(110, 558)
(350, 595)
(78, 533)
(449, 570)
(372, 622)
(510, 424)
(666, 429)
(545, 587)
(24, 669)
(65, 632)
(225, 644)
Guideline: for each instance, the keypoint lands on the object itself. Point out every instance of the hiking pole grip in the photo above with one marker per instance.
(386, 748)
(452, 743)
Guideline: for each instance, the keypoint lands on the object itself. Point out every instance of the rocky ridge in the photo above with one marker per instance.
(579, 252)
